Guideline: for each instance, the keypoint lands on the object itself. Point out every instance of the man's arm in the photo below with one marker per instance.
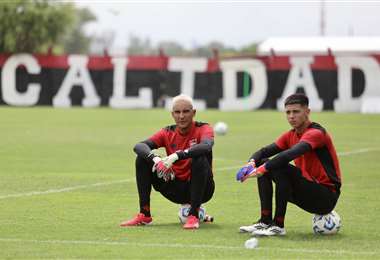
(196, 150)
(264, 153)
(286, 156)
(144, 149)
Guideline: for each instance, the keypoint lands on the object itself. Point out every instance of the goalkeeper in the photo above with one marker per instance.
(185, 175)
(313, 184)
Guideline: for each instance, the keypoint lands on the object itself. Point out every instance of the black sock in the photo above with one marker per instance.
(194, 212)
(279, 221)
(145, 210)
(266, 216)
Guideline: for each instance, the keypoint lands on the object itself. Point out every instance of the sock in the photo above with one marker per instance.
(279, 221)
(194, 212)
(266, 216)
(145, 210)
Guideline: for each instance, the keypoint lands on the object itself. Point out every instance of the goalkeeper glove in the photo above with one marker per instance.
(245, 171)
(162, 170)
(156, 161)
(169, 160)
(250, 170)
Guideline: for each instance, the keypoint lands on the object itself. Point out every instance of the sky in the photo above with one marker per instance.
(234, 23)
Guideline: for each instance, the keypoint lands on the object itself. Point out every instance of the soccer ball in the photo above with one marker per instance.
(220, 128)
(184, 210)
(326, 224)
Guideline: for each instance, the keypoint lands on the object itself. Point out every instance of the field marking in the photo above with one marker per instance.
(198, 246)
(363, 150)
(67, 189)
(226, 159)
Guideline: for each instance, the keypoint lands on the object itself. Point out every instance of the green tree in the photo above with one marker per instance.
(249, 49)
(171, 48)
(33, 25)
(139, 46)
(75, 40)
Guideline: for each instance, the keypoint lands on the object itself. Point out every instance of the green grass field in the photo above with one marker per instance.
(67, 181)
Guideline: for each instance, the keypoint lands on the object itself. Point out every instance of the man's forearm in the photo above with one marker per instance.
(265, 152)
(196, 150)
(286, 156)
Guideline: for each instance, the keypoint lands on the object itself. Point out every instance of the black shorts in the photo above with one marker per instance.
(179, 191)
(308, 195)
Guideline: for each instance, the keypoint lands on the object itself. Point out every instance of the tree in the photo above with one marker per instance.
(138, 46)
(249, 49)
(75, 40)
(33, 25)
(171, 48)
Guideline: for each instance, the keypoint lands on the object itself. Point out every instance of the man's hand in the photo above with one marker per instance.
(162, 170)
(169, 160)
(156, 161)
(250, 171)
(245, 171)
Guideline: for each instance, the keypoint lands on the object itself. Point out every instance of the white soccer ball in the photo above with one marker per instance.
(251, 243)
(220, 128)
(326, 224)
(184, 210)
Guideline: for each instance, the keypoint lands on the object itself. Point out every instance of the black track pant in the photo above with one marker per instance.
(199, 189)
(292, 187)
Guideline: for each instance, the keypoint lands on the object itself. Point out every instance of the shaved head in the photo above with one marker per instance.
(183, 97)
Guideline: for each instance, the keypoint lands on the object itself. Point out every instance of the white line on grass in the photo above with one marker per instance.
(363, 150)
(199, 246)
(67, 189)
(33, 193)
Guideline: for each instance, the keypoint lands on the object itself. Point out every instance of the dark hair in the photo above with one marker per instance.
(297, 98)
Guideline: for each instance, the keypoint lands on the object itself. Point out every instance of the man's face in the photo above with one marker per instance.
(183, 114)
(297, 115)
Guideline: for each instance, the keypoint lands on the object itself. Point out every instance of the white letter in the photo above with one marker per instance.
(118, 99)
(188, 67)
(8, 81)
(256, 69)
(77, 75)
(300, 76)
(371, 71)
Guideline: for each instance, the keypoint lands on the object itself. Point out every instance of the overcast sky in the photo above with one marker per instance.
(234, 23)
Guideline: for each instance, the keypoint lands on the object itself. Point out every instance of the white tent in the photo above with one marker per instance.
(319, 46)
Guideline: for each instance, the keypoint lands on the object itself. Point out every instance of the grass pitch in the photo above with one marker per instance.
(67, 181)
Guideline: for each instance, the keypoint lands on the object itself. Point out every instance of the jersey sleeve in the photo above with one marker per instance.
(314, 137)
(207, 133)
(158, 138)
(282, 141)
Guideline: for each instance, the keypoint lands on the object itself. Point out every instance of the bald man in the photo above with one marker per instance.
(185, 175)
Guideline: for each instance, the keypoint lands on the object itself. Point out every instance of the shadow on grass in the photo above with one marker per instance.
(308, 236)
(179, 225)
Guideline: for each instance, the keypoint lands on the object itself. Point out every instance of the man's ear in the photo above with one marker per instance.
(194, 111)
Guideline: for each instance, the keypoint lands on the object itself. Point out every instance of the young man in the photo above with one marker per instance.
(313, 184)
(185, 175)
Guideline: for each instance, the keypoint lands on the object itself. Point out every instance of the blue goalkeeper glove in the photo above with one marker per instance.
(246, 171)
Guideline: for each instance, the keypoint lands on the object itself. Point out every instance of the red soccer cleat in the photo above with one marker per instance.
(191, 223)
(139, 220)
